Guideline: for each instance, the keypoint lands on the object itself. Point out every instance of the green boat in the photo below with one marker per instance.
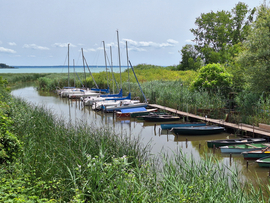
(264, 162)
(198, 130)
(226, 142)
(238, 149)
(256, 154)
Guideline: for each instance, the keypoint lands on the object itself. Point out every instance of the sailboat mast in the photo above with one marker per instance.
(74, 71)
(128, 67)
(68, 66)
(119, 59)
(112, 67)
(84, 68)
(105, 63)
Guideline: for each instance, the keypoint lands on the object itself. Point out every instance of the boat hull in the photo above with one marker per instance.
(173, 125)
(220, 143)
(238, 149)
(254, 155)
(197, 130)
(264, 162)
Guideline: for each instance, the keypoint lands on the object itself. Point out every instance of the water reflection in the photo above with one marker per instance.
(73, 111)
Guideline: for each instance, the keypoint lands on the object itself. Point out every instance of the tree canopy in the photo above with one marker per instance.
(213, 78)
(256, 55)
(217, 36)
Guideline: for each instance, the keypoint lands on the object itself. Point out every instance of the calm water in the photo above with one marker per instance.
(59, 69)
(73, 111)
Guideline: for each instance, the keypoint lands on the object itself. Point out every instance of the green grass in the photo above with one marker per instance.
(66, 163)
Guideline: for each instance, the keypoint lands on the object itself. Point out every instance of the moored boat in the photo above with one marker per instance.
(256, 154)
(125, 104)
(226, 142)
(127, 112)
(264, 162)
(174, 125)
(197, 130)
(153, 117)
(239, 148)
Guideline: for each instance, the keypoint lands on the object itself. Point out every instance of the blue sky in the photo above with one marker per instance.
(36, 32)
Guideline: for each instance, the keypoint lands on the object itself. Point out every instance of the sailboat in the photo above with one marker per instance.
(65, 90)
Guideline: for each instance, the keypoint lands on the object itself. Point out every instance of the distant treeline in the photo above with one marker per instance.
(2, 65)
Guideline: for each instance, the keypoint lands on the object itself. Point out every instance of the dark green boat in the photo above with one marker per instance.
(227, 142)
(256, 154)
(159, 117)
(198, 130)
(264, 162)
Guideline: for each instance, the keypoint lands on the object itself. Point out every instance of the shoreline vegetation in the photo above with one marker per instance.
(2, 65)
(56, 162)
(63, 163)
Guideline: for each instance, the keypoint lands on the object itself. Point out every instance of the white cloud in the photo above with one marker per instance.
(89, 50)
(63, 45)
(172, 41)
(12, 43)
(133, 45)
(189, 41)
(5, 50)
(34, 46)
(31, 56)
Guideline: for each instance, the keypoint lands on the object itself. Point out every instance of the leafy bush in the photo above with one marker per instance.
(10, 146)
(213, 78)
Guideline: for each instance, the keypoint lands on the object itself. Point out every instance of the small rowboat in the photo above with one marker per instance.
(264, 162)
(198, 130)
(130, 111)
(174, 125)
(238, 149)
(159, 117)
(256, 154)
(226, 142)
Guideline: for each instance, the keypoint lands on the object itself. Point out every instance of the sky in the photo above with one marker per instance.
(37, 32)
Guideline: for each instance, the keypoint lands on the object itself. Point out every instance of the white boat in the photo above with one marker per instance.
(102, 104)
(125, 104)
(90, 100)
(66, 92)
(83, 93)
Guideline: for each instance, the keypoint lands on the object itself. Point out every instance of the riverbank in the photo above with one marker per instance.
(63, 162)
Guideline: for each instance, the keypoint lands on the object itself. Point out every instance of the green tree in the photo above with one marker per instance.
(213, 78)
(190, 58)
(217, 32)
(256, 57)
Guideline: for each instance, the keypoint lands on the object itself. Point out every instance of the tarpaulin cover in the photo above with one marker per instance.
(131, 110)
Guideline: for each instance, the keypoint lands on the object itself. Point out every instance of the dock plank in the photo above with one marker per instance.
(251, 129)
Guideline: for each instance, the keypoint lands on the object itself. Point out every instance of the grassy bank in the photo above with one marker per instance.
(65, 163)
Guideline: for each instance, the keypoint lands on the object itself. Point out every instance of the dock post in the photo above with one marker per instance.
(247, 164)
(253, 130)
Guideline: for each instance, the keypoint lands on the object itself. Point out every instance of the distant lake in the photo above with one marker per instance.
(59, 69)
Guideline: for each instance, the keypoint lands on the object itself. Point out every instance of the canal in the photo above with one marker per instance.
(150, 133)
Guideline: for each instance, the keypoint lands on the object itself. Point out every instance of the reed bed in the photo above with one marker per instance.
(80, 163)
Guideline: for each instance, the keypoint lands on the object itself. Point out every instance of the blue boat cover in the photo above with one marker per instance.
(131, 110)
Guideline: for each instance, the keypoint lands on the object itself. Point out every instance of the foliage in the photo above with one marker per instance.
(217, 32)
(10, 146)
(213, 78)
(190, 58)
(255, 58)
(2, 65)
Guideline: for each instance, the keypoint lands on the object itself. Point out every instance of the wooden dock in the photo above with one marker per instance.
(248, 129)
